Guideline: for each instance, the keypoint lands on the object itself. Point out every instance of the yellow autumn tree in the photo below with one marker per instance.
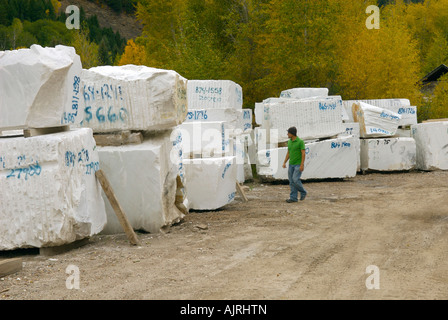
(133, 54)
(380, 63)
(427, 24)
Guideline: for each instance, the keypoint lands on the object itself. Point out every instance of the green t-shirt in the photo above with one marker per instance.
(295, 151)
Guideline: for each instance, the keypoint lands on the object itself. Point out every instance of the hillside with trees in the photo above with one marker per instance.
(264, 45)
(26, 22)
(270, 45)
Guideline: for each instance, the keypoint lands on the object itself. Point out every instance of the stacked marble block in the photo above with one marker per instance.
(49, 195)
(215, 138)
(384, 129)
(431, 140)
(146, 173)
(332, 149)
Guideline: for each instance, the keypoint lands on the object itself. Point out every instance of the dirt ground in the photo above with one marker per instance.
(270, 250)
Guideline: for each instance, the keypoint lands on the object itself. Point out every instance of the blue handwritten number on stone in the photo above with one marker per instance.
(86, 95)
(11, 174)
(36, 169)
(88, 113)
(31, 171)
(112, 117)
(101, 118)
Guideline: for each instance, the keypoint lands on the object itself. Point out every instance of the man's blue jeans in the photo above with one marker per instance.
(294, 175)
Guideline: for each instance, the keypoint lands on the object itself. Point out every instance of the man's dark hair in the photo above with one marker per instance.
(293, 131)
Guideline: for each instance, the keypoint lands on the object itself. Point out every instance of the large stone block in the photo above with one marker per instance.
(39, 87)
(214, 94)
(207, 139)
(237, 121)
(49, 194)
(313, 118)
(432, 145)
(388, 154)
(333, 158)
(211, 182)
(352, 129)
(143, 177)
(375, 122)
(130, 97)
(401, 106)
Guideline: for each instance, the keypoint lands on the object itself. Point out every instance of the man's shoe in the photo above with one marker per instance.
(302, 198)
(291, 201)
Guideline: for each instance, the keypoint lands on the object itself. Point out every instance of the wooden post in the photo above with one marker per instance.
(241, 192)
(117, 208)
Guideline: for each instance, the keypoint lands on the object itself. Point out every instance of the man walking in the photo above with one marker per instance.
(296, 157)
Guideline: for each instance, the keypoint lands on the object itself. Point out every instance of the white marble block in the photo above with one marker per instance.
(375, 122)
(241, 156)
(143, 177)
(39, 87)
(408, 115)
(207, 139)
(352, 129)
(313, 118)
(388, 154)
(238, 121)
(333, 158)
(211, 182)
(49, 194)
(130, 97)
(401, 106)
(432, 145)
(214, 94)
(259, 112)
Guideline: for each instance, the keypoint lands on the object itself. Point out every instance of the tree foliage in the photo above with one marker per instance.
(27, 22)
(271, 45)
(133, 54)
(87, 50)
(264, 45)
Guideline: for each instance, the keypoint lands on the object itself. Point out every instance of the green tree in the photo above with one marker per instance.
(4, 18)
(16, 30)
(49, 33)
(87, 50)
(116, 5)
(244, 28)
(5, 38)
(104, 56)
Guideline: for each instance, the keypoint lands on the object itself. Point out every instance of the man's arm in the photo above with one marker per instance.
(286, 159)
(302, 165)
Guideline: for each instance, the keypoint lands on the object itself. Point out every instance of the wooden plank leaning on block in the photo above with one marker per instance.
(241, 192)
(117, 208)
